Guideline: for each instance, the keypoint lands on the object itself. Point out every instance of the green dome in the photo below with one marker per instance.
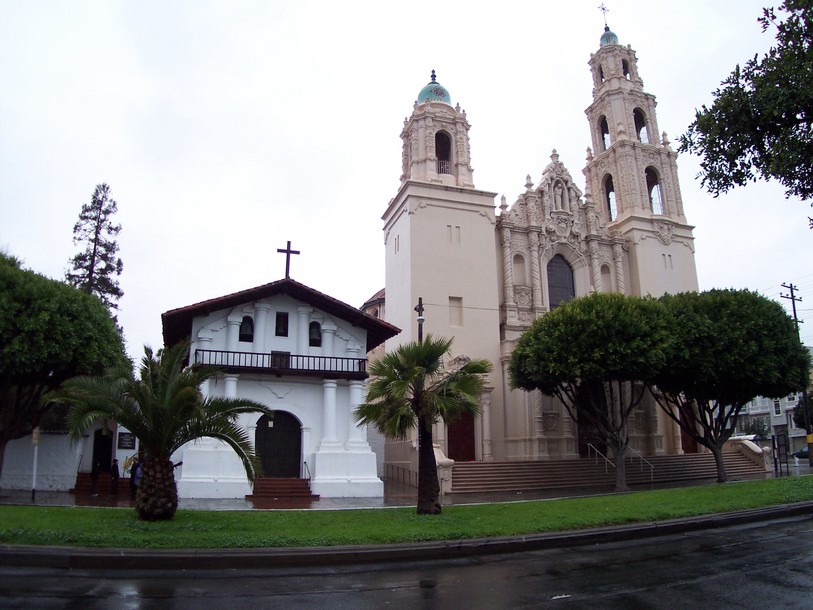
(608, 37)
(434, 92)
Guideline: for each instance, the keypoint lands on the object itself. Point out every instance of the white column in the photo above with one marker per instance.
(485, 417)
(203, 343)
(230, 385)
(536, 273)
(618, 254)
(357, 434)
(328, 338)
(233, 332)
(261, 326)
(329, 439)
(303, 320)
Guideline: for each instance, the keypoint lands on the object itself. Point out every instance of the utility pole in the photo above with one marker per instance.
(793, 299)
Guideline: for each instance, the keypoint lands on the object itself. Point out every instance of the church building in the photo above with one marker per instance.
(301, 353)
(485, 272)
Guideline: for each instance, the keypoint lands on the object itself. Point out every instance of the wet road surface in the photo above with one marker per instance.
(758, 565)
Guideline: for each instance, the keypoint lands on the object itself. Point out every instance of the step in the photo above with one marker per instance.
(506, 476)
(278, 487)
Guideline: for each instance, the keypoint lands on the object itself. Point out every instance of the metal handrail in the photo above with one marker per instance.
(648, 463)
(599, 453)
(307, 471)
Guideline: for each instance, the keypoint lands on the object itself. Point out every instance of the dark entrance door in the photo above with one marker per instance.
(687, 442)
(102, 449)
(589, 435)
(460, 439)
(278, 441)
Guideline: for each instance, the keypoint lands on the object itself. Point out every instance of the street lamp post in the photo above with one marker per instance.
(421, 319)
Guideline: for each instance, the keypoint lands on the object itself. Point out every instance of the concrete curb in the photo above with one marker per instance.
(221, 559)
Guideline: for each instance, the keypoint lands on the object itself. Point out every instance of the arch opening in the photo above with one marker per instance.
(653, 187)
(443, 151)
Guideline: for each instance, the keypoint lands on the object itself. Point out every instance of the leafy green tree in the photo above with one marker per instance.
(594, 354)
(728, 347)
(49, 332)
(96, 268)
(761, 122)
(164, 409)
(799, 413)
(411, 387)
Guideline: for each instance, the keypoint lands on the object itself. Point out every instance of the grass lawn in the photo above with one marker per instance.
(117, 527)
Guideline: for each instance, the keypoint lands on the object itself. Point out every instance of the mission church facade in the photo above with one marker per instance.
(484, 273)
(484, 277)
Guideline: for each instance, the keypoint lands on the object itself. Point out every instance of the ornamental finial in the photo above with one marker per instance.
(433, 76)
(604, 10)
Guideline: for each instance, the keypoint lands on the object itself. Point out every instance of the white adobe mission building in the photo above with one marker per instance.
(301, 353)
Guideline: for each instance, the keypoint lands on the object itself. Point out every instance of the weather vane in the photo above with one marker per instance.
(604, 10)
(287, 252)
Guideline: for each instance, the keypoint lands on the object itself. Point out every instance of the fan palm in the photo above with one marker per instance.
(164, 409)
(411, 387)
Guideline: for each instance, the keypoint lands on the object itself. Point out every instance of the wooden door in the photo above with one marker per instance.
(460, 439)
(278, 442)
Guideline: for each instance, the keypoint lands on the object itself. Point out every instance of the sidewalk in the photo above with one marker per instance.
(394, 495)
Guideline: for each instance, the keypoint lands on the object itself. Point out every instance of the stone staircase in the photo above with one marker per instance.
(484, 477)
(278, 487)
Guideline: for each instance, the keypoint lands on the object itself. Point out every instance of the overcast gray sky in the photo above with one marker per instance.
(226, 128)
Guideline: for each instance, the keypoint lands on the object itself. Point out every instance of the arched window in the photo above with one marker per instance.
(520, 277)
(653, 187)
(315, 334)
(443, 150)
(604, 130)
(246, 330)
(609, 191)
(640, 125)
(561, 287)
(625, 68)
(601, 73)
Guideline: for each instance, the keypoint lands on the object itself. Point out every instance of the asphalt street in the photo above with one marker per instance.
(763, 564)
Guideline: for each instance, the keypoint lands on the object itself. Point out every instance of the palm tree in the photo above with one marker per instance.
(410, 387)
(164, 409)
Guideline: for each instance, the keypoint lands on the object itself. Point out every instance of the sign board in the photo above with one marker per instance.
(127, 440)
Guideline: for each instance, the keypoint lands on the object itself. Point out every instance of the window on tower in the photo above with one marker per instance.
(604, 130)
(653, 186)
(625, 68)
(609, 191)
(640, 125)
(443, 150)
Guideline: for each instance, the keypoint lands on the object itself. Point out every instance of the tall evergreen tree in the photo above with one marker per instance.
(96, 268)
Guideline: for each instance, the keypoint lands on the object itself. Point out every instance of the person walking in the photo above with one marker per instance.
(114, 477)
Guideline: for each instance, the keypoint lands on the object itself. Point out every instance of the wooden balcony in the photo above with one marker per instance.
(284, 363)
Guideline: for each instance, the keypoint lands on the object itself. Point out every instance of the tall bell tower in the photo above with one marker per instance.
(439, 234)
(631, 175)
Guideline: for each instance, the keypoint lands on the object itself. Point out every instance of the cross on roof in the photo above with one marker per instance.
(287, 252)
(604, 10)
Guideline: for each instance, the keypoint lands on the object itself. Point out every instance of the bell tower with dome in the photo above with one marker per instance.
(440, 247)
(631, 175)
